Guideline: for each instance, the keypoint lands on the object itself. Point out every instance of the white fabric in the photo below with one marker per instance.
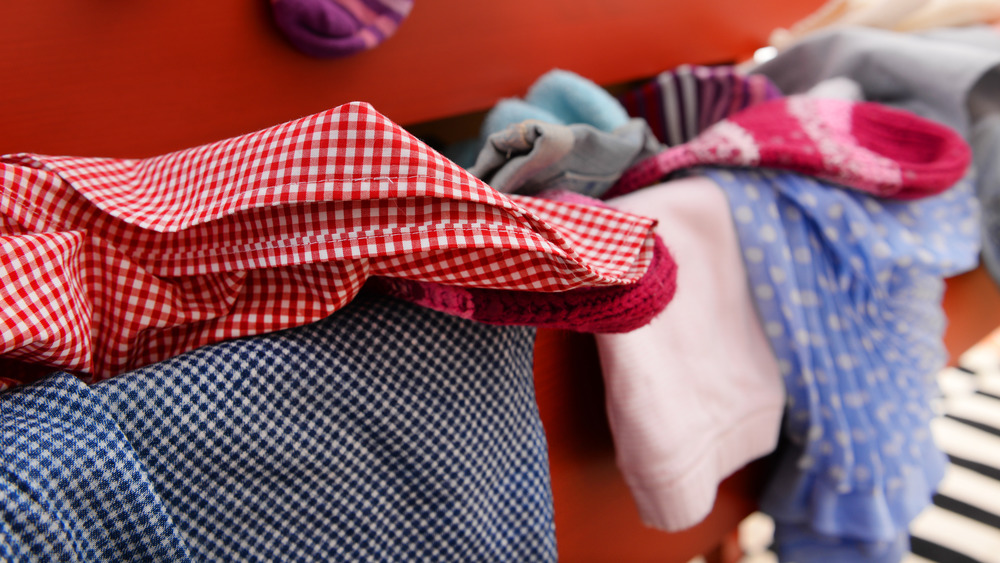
(697, 393)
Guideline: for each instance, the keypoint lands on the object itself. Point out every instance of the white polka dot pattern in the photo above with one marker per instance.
(848, 288)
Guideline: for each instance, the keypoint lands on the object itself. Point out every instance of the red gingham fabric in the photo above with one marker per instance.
(111, 264)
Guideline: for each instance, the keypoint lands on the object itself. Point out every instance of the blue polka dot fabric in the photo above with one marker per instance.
(848, 289)
(385, 432)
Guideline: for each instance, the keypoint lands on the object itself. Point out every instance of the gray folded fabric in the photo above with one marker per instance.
(986, 159)
(930, 74)
(533, 156)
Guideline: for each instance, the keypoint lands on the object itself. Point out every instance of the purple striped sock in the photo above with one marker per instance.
(681, 103)
(335, 28)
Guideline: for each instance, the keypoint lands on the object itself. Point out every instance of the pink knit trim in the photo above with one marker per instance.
(829, 128)
(611, 309)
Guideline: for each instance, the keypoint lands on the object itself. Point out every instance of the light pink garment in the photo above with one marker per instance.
(696, 394)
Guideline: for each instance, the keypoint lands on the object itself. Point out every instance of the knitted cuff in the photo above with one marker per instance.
(861, 145)
(595, 309)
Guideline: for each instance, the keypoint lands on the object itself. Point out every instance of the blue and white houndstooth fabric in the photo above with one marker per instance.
(383, 433)
(848, 288)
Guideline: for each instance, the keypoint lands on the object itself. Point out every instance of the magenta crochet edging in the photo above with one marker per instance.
(611, 309)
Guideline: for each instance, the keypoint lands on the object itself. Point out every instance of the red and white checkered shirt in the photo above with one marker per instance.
(110, 264)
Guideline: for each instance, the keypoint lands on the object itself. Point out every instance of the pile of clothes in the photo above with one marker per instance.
(317, 338)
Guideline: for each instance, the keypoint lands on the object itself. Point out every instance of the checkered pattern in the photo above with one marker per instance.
(114, 264)
(71, 486)
(385, 432)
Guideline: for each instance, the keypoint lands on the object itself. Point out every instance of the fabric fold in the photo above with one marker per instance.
(953, 77)
(384, 432)
(338, 28)
(848, 289)
(287, 222)
(613, 309)
(533, 156)
(72, 486)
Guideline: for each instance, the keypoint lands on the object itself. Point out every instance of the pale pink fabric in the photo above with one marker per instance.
(696, 394)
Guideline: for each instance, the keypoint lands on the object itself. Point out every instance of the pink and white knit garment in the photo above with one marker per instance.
(865, 146)
(697, 393)
(111, 264)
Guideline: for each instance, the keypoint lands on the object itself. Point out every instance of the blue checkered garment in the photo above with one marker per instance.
(848, 288)
(71, 486)
(385, 432)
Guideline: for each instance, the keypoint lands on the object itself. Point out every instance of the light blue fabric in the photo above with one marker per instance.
(385, 432)
(558, 97)
(561, 97)
(848, 288)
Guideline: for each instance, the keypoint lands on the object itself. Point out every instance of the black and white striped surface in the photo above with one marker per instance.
(963, 523)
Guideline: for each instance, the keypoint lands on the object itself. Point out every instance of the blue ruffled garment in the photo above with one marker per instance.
(848, 288)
